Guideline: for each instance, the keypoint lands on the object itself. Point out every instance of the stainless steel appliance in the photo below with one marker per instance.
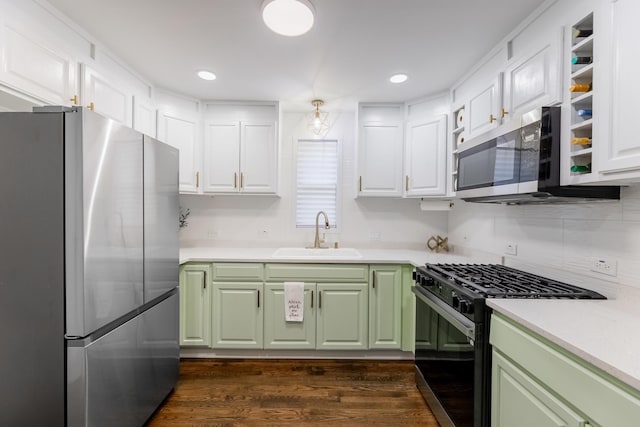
(519, 163)
(89, 270)
(452, 351)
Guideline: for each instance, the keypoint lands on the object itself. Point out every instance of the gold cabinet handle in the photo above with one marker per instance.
(491, 118)
(241, 180)
(406, 183)
(235, 180)
(503, 113)
(91, 106)
(74, 100)
(360, 184)
(197, 179)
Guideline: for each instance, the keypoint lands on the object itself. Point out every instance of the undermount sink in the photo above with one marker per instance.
(313, 253)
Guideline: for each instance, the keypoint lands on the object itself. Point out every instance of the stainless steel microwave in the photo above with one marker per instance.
(519, 163)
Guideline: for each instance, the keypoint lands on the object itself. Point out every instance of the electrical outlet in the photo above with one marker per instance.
(606, 266)
(374, 235)
(511, 249)
(212, 234)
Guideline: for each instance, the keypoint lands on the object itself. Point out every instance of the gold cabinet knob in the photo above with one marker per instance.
(503, 113)
(74, 100)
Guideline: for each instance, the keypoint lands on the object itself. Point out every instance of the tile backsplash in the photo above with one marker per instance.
(567, 237)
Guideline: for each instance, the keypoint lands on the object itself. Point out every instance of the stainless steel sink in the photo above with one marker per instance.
(312, 253)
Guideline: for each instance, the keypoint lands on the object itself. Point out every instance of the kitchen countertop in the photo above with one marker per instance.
(602, 332)
(369, 256)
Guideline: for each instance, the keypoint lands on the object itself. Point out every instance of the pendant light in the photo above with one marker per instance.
(318, 120)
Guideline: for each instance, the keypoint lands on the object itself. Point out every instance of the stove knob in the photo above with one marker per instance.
(455, 301)
(427, 281)
(466, 307)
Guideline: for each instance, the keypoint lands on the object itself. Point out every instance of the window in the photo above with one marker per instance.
(317, 181)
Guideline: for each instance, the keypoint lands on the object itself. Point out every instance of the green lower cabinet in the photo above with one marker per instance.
(280, 334)
(195, 307)
(518, 400)
(237, 315)
(537, 383)
(342, 317)
(385, 307)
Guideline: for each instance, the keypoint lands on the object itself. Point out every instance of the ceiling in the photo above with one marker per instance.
(348, 56)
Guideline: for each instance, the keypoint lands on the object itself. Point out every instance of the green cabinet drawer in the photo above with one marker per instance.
(349, 273)
(241, 271)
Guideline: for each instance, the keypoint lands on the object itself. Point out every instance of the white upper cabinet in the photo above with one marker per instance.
(380, 141)
(258, 157)
(241, 148)
(38, 58)
(534, 80)
(178, 126)
(222, 157)
(483, 108)
(619, 157)
(426, 157)
(144, 116)
(106, 95)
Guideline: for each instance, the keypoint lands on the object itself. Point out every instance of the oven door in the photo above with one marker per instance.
(450, 363)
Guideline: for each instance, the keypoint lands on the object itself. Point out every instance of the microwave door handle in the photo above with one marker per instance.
(457, 320)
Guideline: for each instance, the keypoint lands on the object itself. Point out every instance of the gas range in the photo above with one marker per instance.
(465, 286)
(452, 348)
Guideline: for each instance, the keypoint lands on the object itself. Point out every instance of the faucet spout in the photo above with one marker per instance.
(317, 242)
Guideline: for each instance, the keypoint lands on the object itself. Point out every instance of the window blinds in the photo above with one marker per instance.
(317, 181)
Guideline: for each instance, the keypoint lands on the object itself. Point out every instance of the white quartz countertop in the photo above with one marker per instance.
(369, 256)
(602, 332)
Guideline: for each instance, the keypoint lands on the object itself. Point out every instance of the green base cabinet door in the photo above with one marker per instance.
(518, 400)
(237, 321)
(195, 313)
(280, 334)
(342, 316)
(385, 307)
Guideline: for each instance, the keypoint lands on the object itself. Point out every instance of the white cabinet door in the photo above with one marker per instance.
(181, 131)
(106, 96)
(483, 109)
(426, 157)
(621, 153)
(32, 65)
(533, 81)
(258, 158)
(144, 116)
(241, 157)
(380, 159)
(222, 158)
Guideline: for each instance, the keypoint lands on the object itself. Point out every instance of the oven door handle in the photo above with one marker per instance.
(461, 323)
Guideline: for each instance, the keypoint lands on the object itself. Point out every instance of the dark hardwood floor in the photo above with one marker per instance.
(230, 392)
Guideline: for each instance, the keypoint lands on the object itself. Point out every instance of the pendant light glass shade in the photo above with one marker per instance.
(318, 120)
(288, 17)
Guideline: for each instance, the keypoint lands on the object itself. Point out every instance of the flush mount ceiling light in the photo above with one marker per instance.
(206, 75)
(288, 17)
(318, 120)
(398, 78)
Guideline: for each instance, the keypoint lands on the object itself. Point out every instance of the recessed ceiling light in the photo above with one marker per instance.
(398, 78)
(288, 17)
(206, 75)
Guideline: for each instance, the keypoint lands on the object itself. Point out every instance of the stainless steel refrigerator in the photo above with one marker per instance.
(88, 270)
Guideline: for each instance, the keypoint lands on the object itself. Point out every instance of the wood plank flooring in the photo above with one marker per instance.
(231, 392)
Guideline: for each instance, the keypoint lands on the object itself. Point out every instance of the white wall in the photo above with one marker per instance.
(237, 220)
(568, 237)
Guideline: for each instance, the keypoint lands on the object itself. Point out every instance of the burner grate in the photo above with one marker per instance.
(498, 281)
